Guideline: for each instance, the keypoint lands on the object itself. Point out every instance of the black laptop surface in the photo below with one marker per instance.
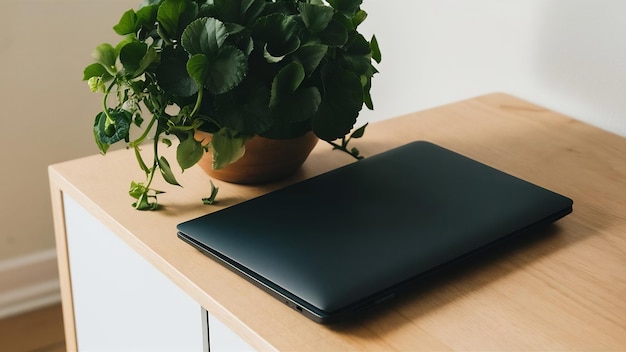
(340, 242)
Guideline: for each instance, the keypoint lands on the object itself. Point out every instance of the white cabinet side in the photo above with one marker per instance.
(121, 302)
(223, 339)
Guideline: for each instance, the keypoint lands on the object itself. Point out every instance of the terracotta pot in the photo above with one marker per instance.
(265, 160)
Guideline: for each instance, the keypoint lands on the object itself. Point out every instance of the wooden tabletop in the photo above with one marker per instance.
(562, 288)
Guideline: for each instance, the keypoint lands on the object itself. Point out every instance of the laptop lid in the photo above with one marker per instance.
(337, 243)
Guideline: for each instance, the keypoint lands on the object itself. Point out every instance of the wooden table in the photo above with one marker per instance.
(563, 288)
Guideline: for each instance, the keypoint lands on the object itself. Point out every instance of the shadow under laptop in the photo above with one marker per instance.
(454, 282)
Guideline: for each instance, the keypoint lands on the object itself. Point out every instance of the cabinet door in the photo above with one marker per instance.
(121, 302)
(221, 338)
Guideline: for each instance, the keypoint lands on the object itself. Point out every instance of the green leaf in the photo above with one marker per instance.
(356, 55)
(176, 14)
(145, 62)
(127, 24)
(234, 28)
(330, 124)
(204, 36)
(300, 106)
(131, 55)
(239, 11)
(172, 73)
(166, 171)
(136, 57)
(221, 73)
(289, 101)
(355, 153)
(137, 189)
(277, 33)
(246, 108)
(127, 39)
(109, 131)
(95, 70)
(211, 199)
(105, 54)
(376, 55)
(286, 82)
(142, 164)
(367, 98)
(226, 148)
(358, 133)
(347, 7)
(138, 120)
(359, 18)
(315, 17)
(197, 67)
(271, 58)
(335, 34)
(96, 85)
(143, 203)
(240, 37)
(146, 16)
(143, 194)
(345, 90)
(310, 56)
(102, 146)
(341, 103)
(189, 152)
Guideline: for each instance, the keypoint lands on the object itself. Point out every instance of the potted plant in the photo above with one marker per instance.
(235, 69)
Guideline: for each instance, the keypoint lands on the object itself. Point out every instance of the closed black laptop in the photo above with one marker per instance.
(340, 242)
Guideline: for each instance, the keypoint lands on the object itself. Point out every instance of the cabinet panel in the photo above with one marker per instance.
(121, 302)
(223, 339)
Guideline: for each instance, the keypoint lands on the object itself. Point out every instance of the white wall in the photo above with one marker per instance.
(568, 55)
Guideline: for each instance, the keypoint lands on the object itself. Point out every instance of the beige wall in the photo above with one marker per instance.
(46, 111)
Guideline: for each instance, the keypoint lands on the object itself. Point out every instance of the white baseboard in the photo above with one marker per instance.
(28, 282)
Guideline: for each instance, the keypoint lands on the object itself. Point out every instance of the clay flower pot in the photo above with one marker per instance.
(266, 160)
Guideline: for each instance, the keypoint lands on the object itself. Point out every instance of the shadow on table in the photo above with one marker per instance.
(456, 281)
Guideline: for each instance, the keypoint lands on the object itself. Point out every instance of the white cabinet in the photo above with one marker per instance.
(122, 303)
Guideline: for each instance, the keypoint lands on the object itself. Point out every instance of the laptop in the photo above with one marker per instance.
(338, 243)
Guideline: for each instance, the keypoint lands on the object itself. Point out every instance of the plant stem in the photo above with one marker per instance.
(198, 102)
(155, 161)
(150, 176)
(105, 105)
(344, 148)
(143, 136)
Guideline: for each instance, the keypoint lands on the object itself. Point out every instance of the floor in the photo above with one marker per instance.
(37, 331)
